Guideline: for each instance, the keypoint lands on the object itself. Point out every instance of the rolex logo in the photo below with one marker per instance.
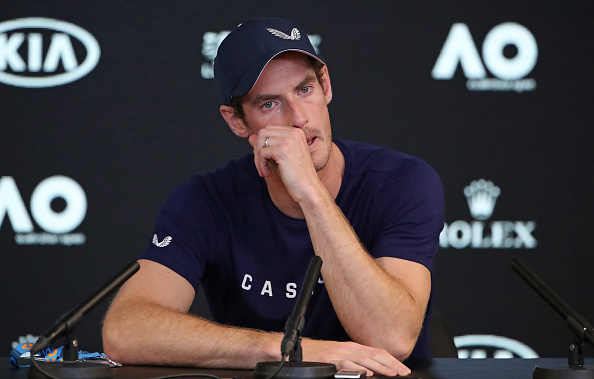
(481, 195)
(481, 234)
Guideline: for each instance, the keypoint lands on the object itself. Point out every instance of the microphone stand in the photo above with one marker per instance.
(291, 343)
(578, 325)
(71, 367)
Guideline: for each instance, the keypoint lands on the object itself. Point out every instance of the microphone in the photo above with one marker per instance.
(66, 324)
(578, 325)
(69, 321)
(295, 322)
(291, 343)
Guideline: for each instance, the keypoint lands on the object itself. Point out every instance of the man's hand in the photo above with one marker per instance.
(288, 154)
(351, 355)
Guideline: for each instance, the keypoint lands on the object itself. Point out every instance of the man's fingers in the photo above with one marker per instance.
(261, 163)
(387, 360)
(252, 139)
(393, 368)
(351, 355)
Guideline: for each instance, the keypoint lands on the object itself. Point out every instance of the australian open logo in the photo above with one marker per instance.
(40, 52)
(491, 346)
(509, 53)
(58, 205)
(482, 196)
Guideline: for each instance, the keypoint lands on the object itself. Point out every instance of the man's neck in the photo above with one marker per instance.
(330, 176)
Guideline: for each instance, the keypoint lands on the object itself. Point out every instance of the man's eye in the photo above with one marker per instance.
(267, 105)
(304, 90)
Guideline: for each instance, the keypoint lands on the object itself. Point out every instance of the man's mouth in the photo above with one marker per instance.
(311, 140)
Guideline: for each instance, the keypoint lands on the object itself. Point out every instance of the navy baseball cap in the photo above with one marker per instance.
(245, 52)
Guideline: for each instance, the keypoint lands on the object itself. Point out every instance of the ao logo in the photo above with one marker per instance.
(491, 346)
(460, 48)
(12, 206)
(60, 49)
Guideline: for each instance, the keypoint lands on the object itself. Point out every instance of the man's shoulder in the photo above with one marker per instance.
(237, 176)
(365, 157)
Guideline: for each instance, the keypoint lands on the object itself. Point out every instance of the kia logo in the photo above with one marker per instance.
(22, 51)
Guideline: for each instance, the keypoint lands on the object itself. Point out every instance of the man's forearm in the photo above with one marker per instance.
(172, 338)
(374, 307)
(138, 332)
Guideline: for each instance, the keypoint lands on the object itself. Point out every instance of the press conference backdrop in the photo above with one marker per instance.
(106, 106)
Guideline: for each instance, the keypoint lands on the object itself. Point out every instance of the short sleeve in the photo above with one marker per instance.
(411, 213)
(182, 239)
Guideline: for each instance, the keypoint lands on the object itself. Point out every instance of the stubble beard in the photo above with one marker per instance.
(321, 163)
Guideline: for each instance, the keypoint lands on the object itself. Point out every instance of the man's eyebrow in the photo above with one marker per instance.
(306, 80)
(264, 96)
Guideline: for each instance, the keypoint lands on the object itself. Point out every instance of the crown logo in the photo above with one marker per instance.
(481, 195)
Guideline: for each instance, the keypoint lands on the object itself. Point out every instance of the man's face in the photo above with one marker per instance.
(288, 93)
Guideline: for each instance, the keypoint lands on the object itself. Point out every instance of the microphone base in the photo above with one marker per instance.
(290, 370)
(71, 370)
(563, 373)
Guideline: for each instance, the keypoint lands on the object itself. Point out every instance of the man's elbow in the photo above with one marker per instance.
(117, 342)
(397, 342)
(111, 343)
(398, 346)
(403, 348)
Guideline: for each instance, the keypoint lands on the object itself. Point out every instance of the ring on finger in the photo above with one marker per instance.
(266, 142)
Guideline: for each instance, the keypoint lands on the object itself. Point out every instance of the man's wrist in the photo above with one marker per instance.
(316, 202)
(268, 346)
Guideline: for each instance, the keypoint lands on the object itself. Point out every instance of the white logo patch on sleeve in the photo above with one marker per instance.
(166, 241)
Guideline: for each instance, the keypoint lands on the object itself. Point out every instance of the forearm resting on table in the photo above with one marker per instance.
(377, 309)
(139, 332)
(380, 302)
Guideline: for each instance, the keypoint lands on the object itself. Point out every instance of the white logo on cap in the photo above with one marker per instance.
(212, 40)
(295, 35)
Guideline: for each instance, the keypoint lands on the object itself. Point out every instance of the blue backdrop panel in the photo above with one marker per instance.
(107, 106)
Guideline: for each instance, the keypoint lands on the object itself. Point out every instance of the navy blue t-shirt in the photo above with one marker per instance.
(221, 230)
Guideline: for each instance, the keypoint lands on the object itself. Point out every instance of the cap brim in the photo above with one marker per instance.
(252, 74)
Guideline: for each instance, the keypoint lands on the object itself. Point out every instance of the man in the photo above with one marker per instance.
(247, 231)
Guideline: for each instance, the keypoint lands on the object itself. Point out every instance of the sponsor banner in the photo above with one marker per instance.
(41, 52)
(478, 234)
(491, 346)
(57, 225)
(509, 71)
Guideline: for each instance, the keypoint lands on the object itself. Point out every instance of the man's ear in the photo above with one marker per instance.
(326, 85)
(234, 121)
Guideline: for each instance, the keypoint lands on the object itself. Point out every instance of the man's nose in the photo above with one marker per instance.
(297, 114)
